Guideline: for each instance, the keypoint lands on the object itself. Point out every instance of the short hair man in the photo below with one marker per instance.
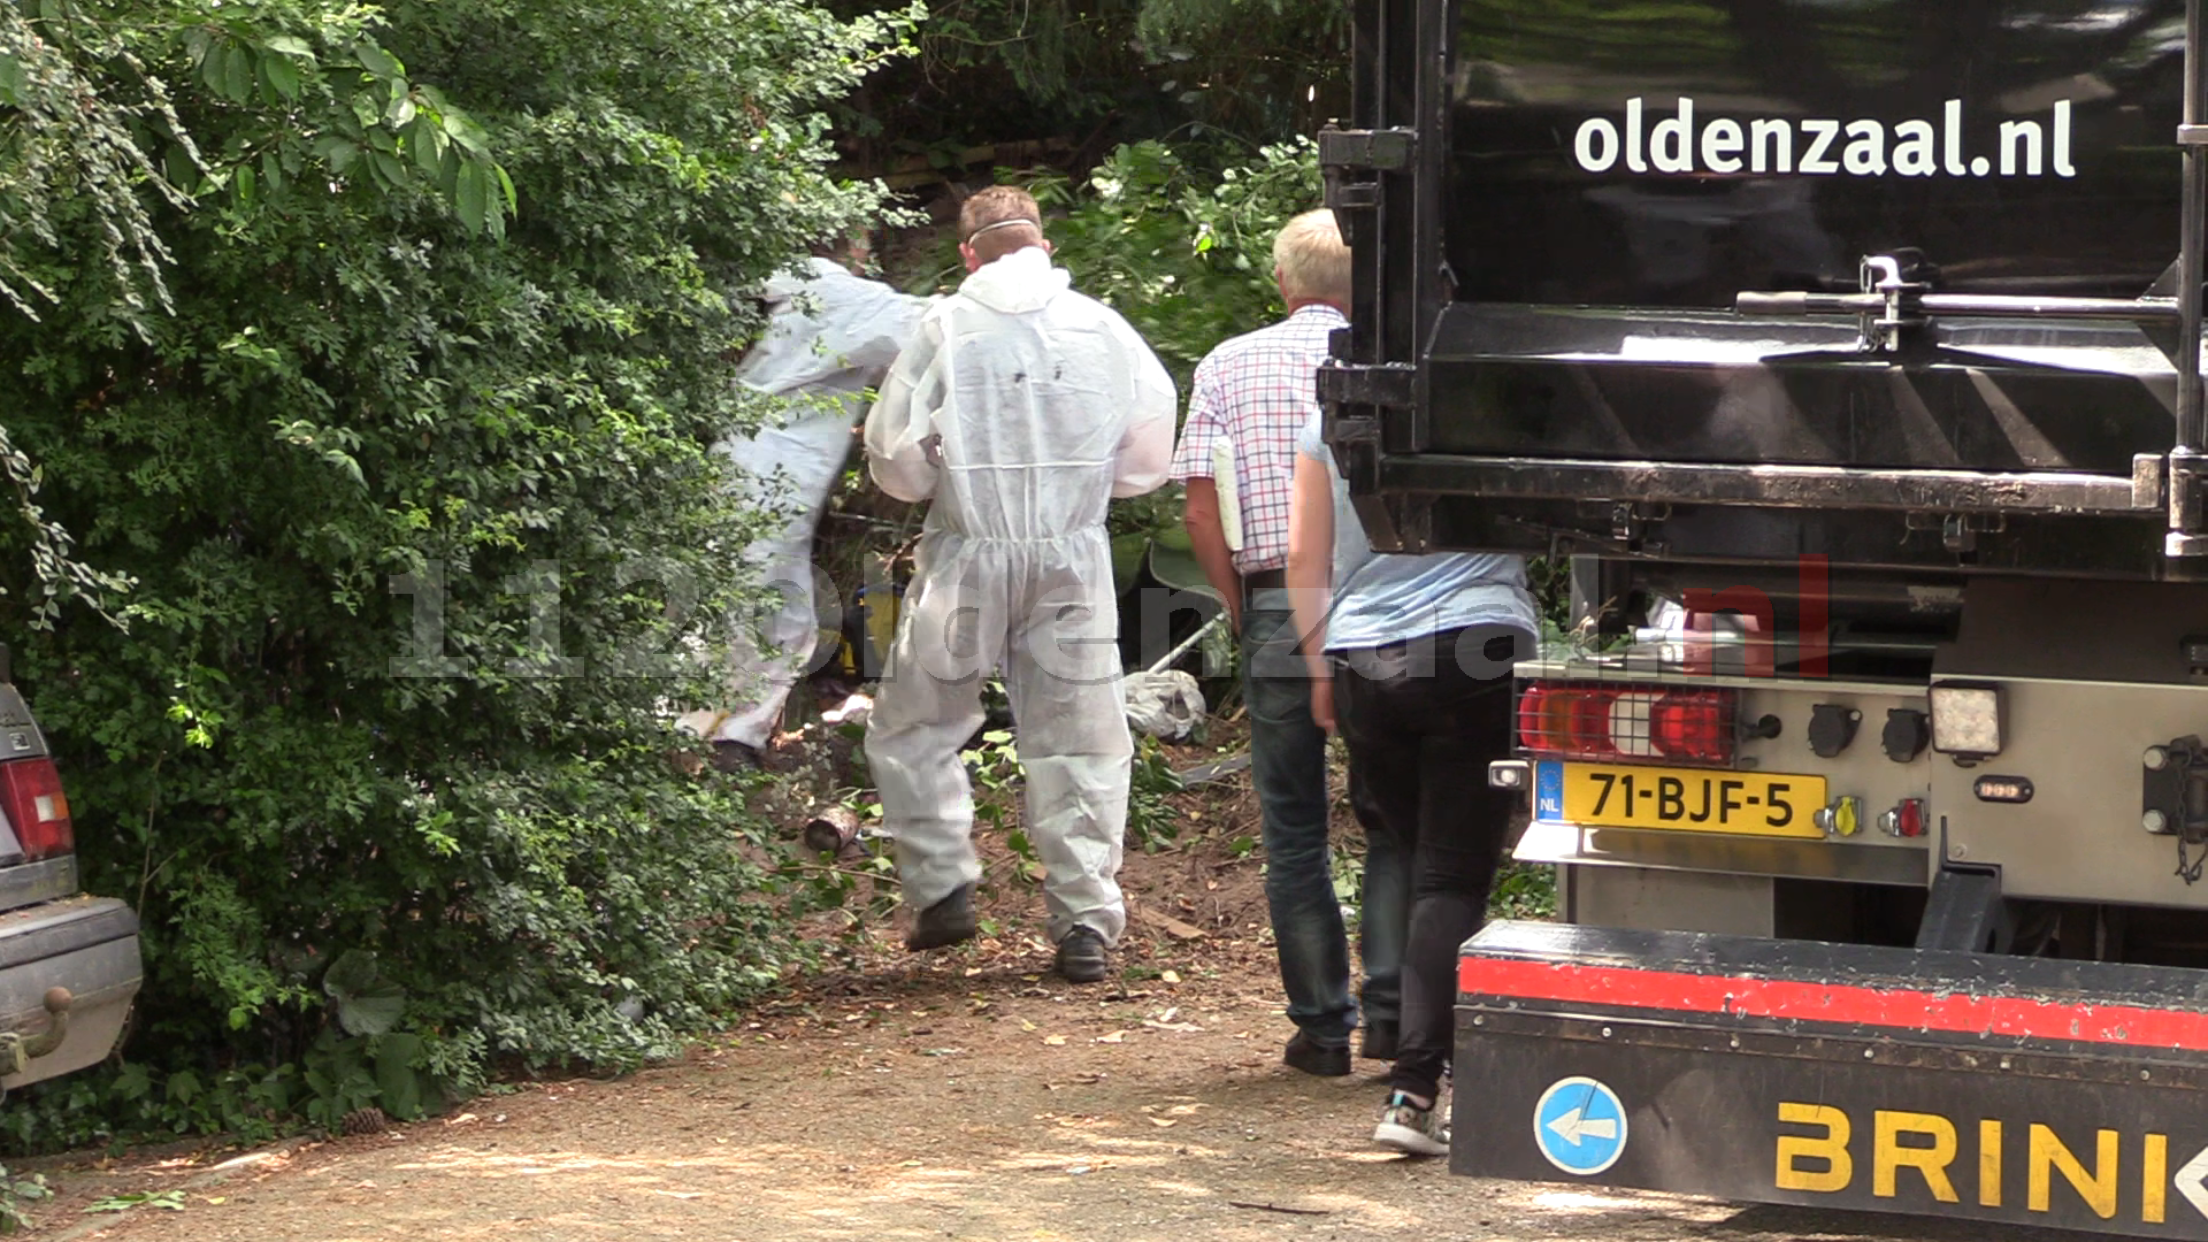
(1250, 399)
(1020, 408)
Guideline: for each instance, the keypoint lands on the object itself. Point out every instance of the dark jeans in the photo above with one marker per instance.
(1288, 768)
(1422, 728)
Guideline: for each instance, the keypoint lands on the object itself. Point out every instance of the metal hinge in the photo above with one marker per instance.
(1349, 157)
(1377, 150)
(1386, 384)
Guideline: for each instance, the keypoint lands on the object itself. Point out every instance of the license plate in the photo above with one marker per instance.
(1764, 804)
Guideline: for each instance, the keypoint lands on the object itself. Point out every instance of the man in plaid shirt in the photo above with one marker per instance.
(1250, 399)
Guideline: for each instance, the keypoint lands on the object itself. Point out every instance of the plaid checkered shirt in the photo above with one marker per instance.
(1256, 392)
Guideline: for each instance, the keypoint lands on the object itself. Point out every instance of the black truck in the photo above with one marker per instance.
(1851, 352)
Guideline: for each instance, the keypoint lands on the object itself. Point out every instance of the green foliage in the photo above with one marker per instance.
(1184, 251)
(994, 71)
(1520, 891)
(164, 1200)
(1046, 48)
(15, 1192)
(994, 768)
(416, 490)
(1523, 891)
(1549, 578)
(1152, 823)
(1267, 68)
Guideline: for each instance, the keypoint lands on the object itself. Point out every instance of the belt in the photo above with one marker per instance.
(1265, 580)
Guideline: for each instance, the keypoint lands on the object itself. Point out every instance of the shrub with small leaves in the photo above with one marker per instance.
(380, 352)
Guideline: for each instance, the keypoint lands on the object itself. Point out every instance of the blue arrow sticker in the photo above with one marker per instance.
(1580, 1126)
(1548, 791)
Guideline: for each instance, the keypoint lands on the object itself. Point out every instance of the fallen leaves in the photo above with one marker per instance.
(1055, 1041)
(1116, 1037)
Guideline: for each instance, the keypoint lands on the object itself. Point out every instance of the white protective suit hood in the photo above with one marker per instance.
(827, 329)
(1019, 282)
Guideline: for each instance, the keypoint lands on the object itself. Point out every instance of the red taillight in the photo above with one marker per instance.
(1563, 720)
(1695, 724)
(30, 792)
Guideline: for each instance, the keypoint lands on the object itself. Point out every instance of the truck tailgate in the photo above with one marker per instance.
(2028, 1091)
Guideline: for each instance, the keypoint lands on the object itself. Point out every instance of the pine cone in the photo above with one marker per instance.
(365, 1121)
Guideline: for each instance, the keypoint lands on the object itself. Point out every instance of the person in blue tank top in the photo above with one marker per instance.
(1410, 662)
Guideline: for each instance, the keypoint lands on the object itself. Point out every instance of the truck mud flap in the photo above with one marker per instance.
(2014, 1090)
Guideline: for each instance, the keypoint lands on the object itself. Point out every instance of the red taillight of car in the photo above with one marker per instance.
(1567, 720)
(30, 792)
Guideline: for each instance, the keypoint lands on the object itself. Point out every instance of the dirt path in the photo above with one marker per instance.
(967, 1096)
(924, 1103)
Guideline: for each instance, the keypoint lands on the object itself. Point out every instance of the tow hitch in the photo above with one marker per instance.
(18, 1050)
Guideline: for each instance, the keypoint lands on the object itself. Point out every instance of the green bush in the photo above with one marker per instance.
(1179, 243)
(413, 478)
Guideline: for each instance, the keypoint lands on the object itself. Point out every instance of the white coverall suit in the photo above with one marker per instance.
(1021, 408)
(830, 336)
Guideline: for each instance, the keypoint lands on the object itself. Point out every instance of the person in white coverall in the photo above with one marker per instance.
(830, 336)
(1021, 408)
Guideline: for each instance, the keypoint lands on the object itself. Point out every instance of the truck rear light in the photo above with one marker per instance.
(30, 793)
(1566, 720)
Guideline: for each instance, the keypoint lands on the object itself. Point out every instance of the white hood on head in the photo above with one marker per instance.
(1019, 282)
(827, 327)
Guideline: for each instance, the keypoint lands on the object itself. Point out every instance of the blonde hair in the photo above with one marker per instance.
(1312, 259)
(1008, 213)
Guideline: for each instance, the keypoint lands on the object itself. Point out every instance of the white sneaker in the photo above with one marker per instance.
(1412, 1130)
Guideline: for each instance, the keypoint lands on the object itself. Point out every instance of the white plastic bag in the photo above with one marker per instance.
(1164, 705)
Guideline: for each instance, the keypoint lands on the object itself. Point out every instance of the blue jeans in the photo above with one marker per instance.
(1288, 768)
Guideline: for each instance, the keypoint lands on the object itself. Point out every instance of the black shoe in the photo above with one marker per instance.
(947, 922)
(1081, 956)
(733, 757)
(1317, 1059)
(1380, 1038)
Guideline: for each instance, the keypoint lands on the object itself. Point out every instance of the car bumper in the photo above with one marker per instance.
(88, 945)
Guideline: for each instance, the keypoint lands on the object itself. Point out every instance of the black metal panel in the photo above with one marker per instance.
(1534, 223)
(1703, 1115)
(2093, 547)
(1565, 301)
(1777, 486)
(1966, 911)
(2037, 1091)
(1703, 387)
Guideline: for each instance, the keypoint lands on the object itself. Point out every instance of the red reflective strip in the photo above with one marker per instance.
(1897, 1008)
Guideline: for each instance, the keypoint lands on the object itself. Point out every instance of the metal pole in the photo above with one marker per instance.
(2187, 466)
(2193, 234)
